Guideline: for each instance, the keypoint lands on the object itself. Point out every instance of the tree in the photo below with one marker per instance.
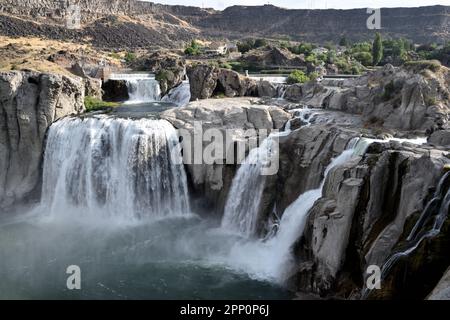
(343, 42)
(377, 49)
(193, 49)
(260, 43)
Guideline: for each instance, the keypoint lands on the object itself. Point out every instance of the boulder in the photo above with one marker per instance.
(29, 103)
(440, 138)
(203, 81)
(93, 88)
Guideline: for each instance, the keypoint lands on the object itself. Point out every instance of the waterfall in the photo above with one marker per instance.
(180, 95)
(242, 206)
(273, 258)
(428, 226)
(114, 168)
(142, 88)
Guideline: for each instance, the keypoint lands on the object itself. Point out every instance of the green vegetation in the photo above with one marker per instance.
(251, 44)
(193, 49)
(115, 55)
(433, 65)
(365, 58)
(94, 104)
(344, 42)
(377, 49)
(130, 57)
(297, 76)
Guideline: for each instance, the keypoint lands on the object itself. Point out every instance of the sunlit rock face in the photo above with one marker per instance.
(29, 104)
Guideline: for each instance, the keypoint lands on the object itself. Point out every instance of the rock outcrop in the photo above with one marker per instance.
(367, 208)
(208, 81)
(273, 57)
(29, 104)
(210, 183)
(396, 99)
(170, 69)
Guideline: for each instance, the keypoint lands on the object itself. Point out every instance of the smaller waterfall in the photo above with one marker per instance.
(272, 258)
(142, 88)
(242, 207)
(114, 168)
(180, 95)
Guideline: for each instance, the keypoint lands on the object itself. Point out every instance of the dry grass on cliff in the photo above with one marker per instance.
(33, 54)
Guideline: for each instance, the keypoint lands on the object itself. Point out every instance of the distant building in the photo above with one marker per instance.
(232, 47)
(320, 50)
(215, 49)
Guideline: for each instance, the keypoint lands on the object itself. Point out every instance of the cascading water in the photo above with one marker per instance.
(180, 95)
(111, 167)
(142, 88)
(272, 258)
(242, 206)
(428, 226)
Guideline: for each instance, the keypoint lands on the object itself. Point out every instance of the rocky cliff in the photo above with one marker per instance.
(150, 24)
(29, 104)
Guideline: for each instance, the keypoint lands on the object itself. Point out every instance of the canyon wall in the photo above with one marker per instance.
(29, 104)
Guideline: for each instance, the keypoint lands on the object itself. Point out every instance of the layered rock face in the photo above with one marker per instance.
(210, 183)
(163, 25)
(29, 104)
(397, 99)
(368, 206)
(417, 24)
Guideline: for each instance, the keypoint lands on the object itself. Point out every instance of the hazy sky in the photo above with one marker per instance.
(313, 4)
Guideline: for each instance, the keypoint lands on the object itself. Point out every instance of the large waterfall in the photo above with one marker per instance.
(114, 167)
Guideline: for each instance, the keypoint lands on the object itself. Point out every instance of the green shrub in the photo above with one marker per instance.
(314, 75)
(364, 57)
(433, 65)
(94, 104)
(297, 76)
(130, 57)
(193, 49)
(225, 65)
(115, 55)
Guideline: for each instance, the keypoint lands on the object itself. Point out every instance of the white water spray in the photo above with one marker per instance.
(142, 88)
(104, 167)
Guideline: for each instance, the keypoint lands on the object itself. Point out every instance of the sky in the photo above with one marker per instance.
(308, 4)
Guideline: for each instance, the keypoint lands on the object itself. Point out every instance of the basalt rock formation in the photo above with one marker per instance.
(210, 183)
(393, 98)
(29, 104)
(148, 24)
(208, 81)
